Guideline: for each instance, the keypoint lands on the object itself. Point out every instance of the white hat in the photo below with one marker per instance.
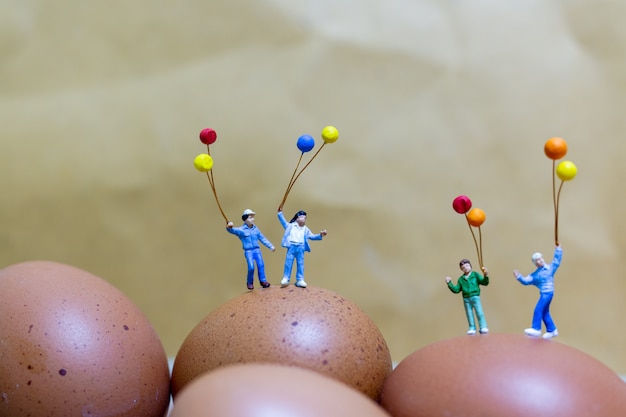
(247, 212)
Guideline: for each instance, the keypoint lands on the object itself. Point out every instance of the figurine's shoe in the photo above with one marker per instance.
(484, 330)
(532, 332)
(471, 331)
(265, 284)
(550, 335)
(250, 286)
(284, 281)
(301, 284)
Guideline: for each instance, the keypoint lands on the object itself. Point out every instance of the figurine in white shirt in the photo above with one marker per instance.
(296, 240)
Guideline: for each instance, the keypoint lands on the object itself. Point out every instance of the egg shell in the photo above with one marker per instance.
(313, 328)
(261, 390)
(71, 344)
(499, 375)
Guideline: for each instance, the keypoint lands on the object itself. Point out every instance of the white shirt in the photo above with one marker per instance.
(297, 234)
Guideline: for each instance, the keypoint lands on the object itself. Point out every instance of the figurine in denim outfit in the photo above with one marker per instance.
(296, 240)
(469, 286)
(250, 236)
(542, 278)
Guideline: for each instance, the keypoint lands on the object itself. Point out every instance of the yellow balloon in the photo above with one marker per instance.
(330, 134)
(566, 170)
(203, 162)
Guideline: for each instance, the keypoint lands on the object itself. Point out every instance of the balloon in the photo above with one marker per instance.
(462, 204)
(330, 134)
(305, 143)
(566, 170)
(208, 136)
(203, 162)
(476, 217)
(555, 148)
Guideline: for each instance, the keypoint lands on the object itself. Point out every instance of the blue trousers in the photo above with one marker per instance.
(473, 304)
(542, 312)
(294, 253)
(252, 256)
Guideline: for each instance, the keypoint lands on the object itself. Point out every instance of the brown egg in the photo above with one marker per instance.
(261, 390)
(73, 345)
(500, 375)
(313, 328)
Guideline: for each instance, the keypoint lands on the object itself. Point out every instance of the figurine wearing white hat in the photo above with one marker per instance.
(250, 236)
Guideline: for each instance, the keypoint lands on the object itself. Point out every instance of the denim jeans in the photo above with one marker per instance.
(294, 252)
(252, 256)
(542, 312)
(473, 304)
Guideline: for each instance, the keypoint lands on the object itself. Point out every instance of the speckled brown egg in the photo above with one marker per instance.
(498, 375)
(262, 390)
(312, 328)
(73, 345)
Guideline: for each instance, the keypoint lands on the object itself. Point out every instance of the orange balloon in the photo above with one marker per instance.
(555, 148)
(476, 217)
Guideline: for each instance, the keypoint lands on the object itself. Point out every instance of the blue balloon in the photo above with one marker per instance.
(306, 143)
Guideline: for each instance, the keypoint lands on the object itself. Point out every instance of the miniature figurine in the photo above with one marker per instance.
(542, 278)
(250, 236)
(469, 285)
(296, 240)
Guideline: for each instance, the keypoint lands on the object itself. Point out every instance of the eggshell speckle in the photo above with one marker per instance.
(261, 390)
(499, 375)
(312, 328)
(73, 345)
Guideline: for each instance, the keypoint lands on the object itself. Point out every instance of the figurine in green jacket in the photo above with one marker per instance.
(469, 285)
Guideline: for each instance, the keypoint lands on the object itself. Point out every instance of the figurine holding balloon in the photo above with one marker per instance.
(469, 283)
(543, 277)
(297, 234)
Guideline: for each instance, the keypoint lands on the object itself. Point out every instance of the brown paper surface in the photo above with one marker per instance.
(101, 105)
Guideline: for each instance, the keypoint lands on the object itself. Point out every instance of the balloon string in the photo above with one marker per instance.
(280, 207)
(219, 206)
(475, 242)
(556, 216)
(209, 175)
(480, 238)
(293, 181)
(555, 202)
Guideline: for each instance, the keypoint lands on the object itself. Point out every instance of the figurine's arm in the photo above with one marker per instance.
(266, 242)
(556, 261)
(454, 288)
(524, 280)
(484, 279)
(281, 219)
(318, 236)
(233, 230)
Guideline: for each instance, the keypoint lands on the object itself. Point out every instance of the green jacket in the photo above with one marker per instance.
(469, 285)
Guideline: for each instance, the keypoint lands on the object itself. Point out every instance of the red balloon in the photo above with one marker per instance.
(462, 204)
(208, 136)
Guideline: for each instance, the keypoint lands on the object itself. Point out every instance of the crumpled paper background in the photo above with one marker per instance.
(101, 105)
